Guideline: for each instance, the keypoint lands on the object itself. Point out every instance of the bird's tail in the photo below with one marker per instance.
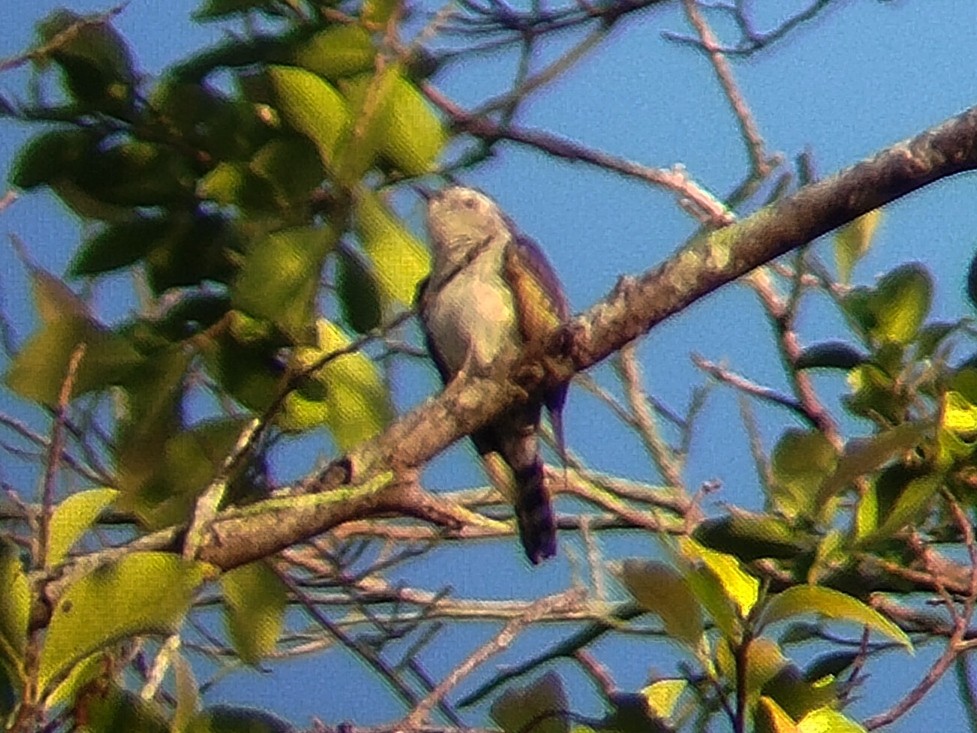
(524, 486)
(534, 513)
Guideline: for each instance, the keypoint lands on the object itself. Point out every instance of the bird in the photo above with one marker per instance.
(491, 291)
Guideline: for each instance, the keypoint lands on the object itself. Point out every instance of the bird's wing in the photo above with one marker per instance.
(420, 302)
(542, 307)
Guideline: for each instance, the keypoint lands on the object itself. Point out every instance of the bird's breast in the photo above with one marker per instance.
(473, 317)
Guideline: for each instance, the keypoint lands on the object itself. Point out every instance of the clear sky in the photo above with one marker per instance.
(860, 78)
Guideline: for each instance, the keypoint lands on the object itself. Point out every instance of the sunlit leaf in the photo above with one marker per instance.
(853, 241)
(280, 278)
(14, 611)
(771, 718)
(72, 518)
(254, 605)
(142, 593)
(399, 259)
(828, 720)
(662, 696)
(901, 302)
(311, 106)
(832, 604)
(801, 461)
(351, 398)
(338, 51)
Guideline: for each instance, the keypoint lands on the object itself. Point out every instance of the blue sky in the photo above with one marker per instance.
(860, 78)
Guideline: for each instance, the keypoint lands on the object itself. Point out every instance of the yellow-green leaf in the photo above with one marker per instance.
(828, 720)
(72, 518)
(901, 302)
(280, 278)
(771, 718)
(738, 585)
(254, 603)
(663, 695)
(337, 52)
(853, 241)
(399, 259)
(311, 106)
(413, 134)
(663, 591)
(802, 599)
(14, 609)
(348, 394)
(142, 593)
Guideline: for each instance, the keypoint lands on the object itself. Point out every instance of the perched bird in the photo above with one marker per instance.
(490, 292)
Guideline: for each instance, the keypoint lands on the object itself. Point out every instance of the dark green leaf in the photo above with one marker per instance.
(830, 355)
(359, 297)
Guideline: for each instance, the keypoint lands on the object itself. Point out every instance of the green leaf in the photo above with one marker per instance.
(771, 718)
(399, 259)
(663, 695)
(764, 661)
(348, 395)
(541, 704)
(908, 507)
(280, 277)
(250, 373)
(901, 302)
(359, 296)
(369, 96)
(663, 591)
(866, 455)
(751, 536)
(226, 719)
(218, 9)
(798, 696)
(801, 461)
(120, 245)
(723, 589)
(184, 466)
(291, 169)
(14, 612)
(95, 60)
(802, 599)
(225, 129)
(72, 518)
(38, 370)
(310, 106)
(853, 241)
(117, 711)
(142, 593)
(338, 51)
(254, 602)
(828, 720)
(413, 135)
(51, 156)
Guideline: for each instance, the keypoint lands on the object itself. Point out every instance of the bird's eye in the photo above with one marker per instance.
(469, 203)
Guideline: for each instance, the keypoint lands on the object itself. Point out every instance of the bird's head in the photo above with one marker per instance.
(460, 218)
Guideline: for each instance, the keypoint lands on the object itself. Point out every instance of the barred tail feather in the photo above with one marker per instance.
(534, 513)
